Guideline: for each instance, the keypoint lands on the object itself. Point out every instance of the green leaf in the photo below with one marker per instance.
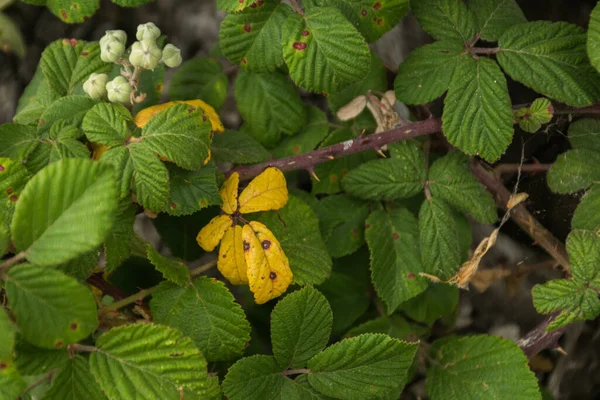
(4, 237)
(395, 326)
(300, 327)
(573, 170)
(151, 83)
(381, 361)
(119, 159)
(376, 80)
(393, 239)
(206, 311)
(585, 134)
(371, 19)
(73, 12)
(257, 377)
(74, 381)
(583, 248)
(107, 124)
(11, 383)
(593, 38)
(386, 179)
(192, 190)
(450, 179)
(68, 62)
(342, 222)
(31, 360)
(480, 366)
(427, 72)
(252, 38)
(323, 50)
(331, 172)
(550, 58)
(200, 78)
(494, 17)
(35, 98)
(70, 110)
(173, 270)
(7, 336)
(17, 141)
(118, 243)
(445, 19)
(65, 309)
(82, 266)
(11, 39)
(54, 225)
(586, 214)
(270, 106)
(432, 304)
(151, 178)
(478, 115)
(179, 233)
(150, 361)
(131, 3)
(301, 241)
(315, 130)
(179, 134)
(13, 177)
(440, 243)
(233, 5)
(532, 118)
(237, 147)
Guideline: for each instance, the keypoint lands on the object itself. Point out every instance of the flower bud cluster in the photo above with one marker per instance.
(143, 54)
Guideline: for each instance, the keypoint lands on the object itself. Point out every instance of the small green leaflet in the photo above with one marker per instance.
(532, 118)
(107, 124)
(34, 100)
(445, 19)
(233, 5)
(323, 50)
(450, 179)
(586, 214)
(270, 106)
(477, 110)
(200, 78)
(395, 326)
(593, 38)
(179, 134)
(300, 327)
(66, 310)
(550, 58)
(17, 141)
(7, 336)
(118, 157)
(192, 190)
(313, 132)
(252, 37)
(371, 19)
(427, 72)
(437, 301)
(32, 360)
(576, 298)
(480, 366)
(381, 361)
(117, 245)
(393, 239)
(173, 270)
(150, 361)
(206, 311)
(73, 12)
(68, 62)
(11, 37)
(74, 381)
(151, 178)
(69, 109)
(585, 134)
(573, 171)
(54, 225)
(11, 383)
(494, 17)
(13, 178)
(237, 147)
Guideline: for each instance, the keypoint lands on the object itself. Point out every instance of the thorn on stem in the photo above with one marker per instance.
(311, 171)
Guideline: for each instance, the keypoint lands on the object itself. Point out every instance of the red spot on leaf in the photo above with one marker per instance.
(299, 45)
(58, 344)
(73, 326)
(203, 203)
(85, 18)
(325, 94)
(191, 110)
(355, 231)
(363, 12)
(9, 191)
(41, 122)
(244, 61)
(266, 244)
(396, 236)
(1, 168)
(73, 42)
(14, 198)
(246, 246)
(247, 28)
(204, 118)
(3, 366)
(64, 15)
(272, 275)
(75, 6)
(367, 226)
(411, 276)
(377, 5)
(344, 172)
(296, 149)
(333, 178)
(305, 33)
(173, 206)
(159, 88)
(84, 54)
(379, 21)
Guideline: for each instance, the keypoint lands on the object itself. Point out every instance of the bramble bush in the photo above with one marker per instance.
(357, 260)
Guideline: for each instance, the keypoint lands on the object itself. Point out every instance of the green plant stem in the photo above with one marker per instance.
(17, 258)
(203, 268)
(296, 371)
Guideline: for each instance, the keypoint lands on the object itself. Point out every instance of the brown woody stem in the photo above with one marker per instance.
(509, 168)
(539, 339)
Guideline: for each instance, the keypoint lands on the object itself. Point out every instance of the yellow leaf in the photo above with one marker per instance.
(97, 150)
(229, 193)
(207, 159)
(209, 237)
(269, 273)
(145, 115)
(232, 262)
(268, 191)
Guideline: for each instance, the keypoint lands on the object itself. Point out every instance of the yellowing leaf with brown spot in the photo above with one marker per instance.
(232, 263)
(268, 191)
(97, 150)
(229, 193)
(209, 237)
(269, 273)
(142, 117)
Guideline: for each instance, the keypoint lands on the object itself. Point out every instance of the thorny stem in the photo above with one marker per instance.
(484, 50)
(17, 258)
(509, 168)
(539, 339)
(98, 281)
(296, 371)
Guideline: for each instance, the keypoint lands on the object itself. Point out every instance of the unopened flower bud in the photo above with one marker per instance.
(171, 56)
(111, 51)
(147, 31)
(145, 54)
(95, 86)
(110, 36)
(118, 90)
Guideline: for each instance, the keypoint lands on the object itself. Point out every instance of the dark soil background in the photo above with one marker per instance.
(505, 309)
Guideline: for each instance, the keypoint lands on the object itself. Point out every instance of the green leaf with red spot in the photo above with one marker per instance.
(235, 5)
(73, 12)
(131, 3)
(532, 118)
(373, 18)
(13, 177)
(315, 130)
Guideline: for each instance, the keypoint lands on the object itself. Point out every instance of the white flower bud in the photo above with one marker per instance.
(145, 54)
(110, 36)
(118, 90)
(95, 86)
(111, 51)
(147, 31)
(171, 56)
